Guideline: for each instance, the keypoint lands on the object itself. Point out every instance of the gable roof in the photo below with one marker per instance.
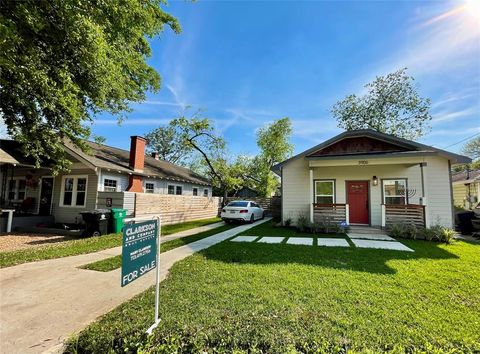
(108, 158)
(406, 148)
(466, 176)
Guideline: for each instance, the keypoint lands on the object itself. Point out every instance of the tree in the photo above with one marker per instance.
(274, 144)
(391, 105)
(64, 61)
(168, 145)
(99, 139)
(472, 148)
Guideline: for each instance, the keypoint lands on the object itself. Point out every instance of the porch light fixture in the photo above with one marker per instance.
(375, 180)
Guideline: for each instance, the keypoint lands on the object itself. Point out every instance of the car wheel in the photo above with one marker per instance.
(226, 221)
(252, 219)
(263, 215)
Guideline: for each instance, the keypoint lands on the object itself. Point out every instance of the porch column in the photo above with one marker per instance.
(423, 171)
(311, 194)
(384, 216)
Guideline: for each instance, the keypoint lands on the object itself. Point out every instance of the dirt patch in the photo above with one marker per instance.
(20, 241)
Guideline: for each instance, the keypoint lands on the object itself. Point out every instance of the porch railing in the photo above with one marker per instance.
(334, 212)
(403, 214)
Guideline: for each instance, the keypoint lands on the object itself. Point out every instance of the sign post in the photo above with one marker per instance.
(141, 254)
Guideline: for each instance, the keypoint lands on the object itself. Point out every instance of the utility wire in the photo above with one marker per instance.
(461, 141)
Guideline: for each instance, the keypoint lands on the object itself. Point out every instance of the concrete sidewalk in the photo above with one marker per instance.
(43, 303)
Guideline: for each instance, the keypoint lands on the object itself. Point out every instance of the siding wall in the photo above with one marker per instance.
(70, 214)
(176, 208)
(296, 186)
(161, 186)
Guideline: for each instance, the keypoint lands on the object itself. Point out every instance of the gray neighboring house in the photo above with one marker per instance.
(36, 192)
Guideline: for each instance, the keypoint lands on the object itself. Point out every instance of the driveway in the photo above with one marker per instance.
(43, 303)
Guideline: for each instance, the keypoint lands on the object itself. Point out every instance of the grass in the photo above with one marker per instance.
(85, 245)
(264, 298)
(108, 264)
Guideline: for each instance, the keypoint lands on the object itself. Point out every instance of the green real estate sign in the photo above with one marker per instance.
(139, 250)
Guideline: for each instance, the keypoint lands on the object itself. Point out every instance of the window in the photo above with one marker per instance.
(149, 188)
(325, 192)
(238, 204)
(394, 191)
(109, 185)
(74, 191)
(178, 190)
(195, 192)
(17, 188)
(205, 192)
(172, 189)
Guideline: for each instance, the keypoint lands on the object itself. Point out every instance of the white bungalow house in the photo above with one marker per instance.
(364, 177)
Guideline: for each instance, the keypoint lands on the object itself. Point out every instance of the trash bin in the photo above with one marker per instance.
(463, 221)
(118, 217)
(96, 222)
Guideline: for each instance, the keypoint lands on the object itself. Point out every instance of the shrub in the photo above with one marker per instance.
(429, 234)
(303, 223)
(288, 222)
(396, 230)
(447, 235)
(411, 231)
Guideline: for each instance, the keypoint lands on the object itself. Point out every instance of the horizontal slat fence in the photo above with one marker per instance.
(176, 208)
(405, 214)
(334, 212)
(272, 205)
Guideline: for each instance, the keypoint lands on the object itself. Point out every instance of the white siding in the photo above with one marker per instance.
(295, 191)
(439, 201)
(122, 180)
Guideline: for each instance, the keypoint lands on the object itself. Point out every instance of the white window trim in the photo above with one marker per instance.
(145, 187)
(17, 183)
(198, 190)
(208, 192)
(324, 195)
(117, 189)
(74, 192)
(394, 196)
(175, 188)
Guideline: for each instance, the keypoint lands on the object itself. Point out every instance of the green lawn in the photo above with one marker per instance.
(85, 245)
(108, 264)
(264, 298)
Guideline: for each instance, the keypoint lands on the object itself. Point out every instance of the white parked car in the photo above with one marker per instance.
(242, 210)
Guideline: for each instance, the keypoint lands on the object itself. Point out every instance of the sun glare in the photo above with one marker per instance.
(472, 7)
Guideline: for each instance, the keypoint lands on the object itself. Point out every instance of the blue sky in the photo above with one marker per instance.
(248, 63)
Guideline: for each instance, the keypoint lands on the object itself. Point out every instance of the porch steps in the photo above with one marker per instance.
(354, 229)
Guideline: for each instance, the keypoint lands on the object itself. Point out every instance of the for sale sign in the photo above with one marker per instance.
(139, 250)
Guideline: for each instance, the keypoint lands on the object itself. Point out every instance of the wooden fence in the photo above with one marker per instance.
(272, 206)
(335, 213)
(404, 214)
(176, 208)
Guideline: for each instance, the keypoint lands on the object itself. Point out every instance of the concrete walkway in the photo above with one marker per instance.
(43, 303)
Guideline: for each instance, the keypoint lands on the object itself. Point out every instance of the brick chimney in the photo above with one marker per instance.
(137, 153)
(155, 155)
(136, 163)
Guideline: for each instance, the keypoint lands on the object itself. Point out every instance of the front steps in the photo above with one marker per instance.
(356, 229)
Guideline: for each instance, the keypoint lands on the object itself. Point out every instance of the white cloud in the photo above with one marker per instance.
(448, 116)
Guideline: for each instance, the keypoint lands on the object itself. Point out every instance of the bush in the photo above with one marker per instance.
(396, 230)
(411, 231)
(303, 223)
(288, 222)
(447, 235)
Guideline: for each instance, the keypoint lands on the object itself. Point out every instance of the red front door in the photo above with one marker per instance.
(357, 196)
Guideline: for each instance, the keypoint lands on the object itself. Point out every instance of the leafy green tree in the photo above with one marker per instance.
(391, 105)
(274, 143)
(64, 61)
(472, 148)
(168, 145)
(99, 139)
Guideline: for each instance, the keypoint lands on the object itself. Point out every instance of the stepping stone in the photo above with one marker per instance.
(385, 245)
(244, 239)
(271, 239)
(377, 237)
(332, 242)
(300, 241)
